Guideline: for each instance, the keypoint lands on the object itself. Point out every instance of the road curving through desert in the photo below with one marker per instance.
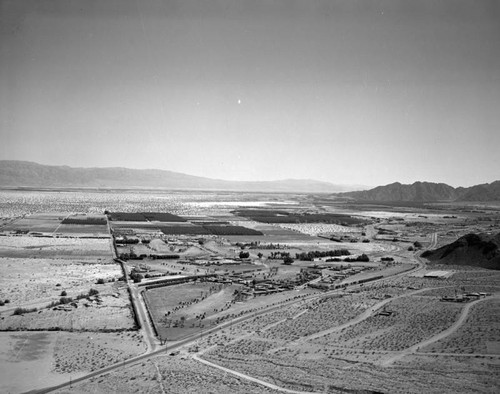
(443, 334)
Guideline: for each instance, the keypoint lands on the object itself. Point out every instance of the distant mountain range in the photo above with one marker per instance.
(428, 192)
(15, 173)
(481, 250)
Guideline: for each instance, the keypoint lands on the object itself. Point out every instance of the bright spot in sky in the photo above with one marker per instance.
(239, 101)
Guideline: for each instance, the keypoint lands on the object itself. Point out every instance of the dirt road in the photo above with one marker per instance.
(443, 334)
(249, 378)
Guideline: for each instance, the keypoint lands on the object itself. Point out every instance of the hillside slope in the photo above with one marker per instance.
(428, 192)
(484, 192)
(479, 250)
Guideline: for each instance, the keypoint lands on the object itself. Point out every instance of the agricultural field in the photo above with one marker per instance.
(286, 216)
(46, 223)
(58, 224)
(187, 309)
(223, 230)
(88, 249)
(315, 229)
(144, 217)
(107, 310)
(39, 281)
(181, 309)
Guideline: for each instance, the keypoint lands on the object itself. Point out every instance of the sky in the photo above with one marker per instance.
(348, 92)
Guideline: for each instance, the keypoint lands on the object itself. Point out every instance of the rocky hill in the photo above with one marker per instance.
(484, 192)
(480, 250)
(428, 192)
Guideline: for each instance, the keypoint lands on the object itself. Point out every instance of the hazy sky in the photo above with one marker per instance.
(353, 92)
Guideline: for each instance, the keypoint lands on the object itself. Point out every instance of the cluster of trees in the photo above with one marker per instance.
(62, 301)
(133, 256)
(127, 241)
(244, 255)
(272, 216)
(416, 245)
(279, 255)
(3, 302)
(231, 230)
(164, 256)
(136, 277)
(310, 256)
(363, 257)
(272, 246)
(67, 300)
(92, 221)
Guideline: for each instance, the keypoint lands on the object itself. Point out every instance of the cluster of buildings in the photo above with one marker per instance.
(465, 297)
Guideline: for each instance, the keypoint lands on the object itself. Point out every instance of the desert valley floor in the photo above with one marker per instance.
(117, 291)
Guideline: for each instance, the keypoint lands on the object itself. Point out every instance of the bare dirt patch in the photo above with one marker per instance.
(53, 247)
(108, 311)
(79, 352)
(37, 282)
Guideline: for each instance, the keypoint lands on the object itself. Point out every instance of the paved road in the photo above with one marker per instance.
(148, 332)
(140, 311)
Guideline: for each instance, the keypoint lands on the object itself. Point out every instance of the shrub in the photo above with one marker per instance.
(65, 300)
(136, 277)
(93, 292)
(100, 281)
(20, 311)
(64, 293)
